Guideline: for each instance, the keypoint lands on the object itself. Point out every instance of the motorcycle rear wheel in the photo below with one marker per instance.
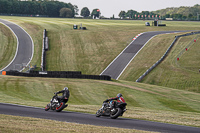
(47, 107)
(116, 114)
(61, 107)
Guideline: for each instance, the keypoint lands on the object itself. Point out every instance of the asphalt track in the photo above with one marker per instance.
(24, 51)
(82, 118)
(119, 64)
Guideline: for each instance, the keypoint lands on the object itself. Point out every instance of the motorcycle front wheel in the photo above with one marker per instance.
(116, 113)
(61, 107)
(98, 113)
(47, 107)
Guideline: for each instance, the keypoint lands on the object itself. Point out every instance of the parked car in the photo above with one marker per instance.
(147, 23)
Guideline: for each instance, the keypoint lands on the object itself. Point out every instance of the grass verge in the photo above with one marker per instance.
(7, 47)
(32, 125)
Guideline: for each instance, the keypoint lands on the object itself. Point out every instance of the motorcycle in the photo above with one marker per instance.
(114, 109)
(57, 105)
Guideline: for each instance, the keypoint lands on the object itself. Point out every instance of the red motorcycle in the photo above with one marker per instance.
(57, 105)
(112, 109)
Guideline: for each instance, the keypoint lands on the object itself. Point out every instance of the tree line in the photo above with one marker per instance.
(181, 13)
(49, 8)
(178, 13)
(53, 8)
(132, 14)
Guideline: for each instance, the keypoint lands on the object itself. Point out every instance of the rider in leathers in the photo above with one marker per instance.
(65, 94)
(119, 99)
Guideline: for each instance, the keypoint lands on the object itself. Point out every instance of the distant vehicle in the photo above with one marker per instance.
(147, 23)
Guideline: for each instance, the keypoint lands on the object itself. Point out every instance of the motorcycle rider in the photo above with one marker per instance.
(119, 99)
(65, 94)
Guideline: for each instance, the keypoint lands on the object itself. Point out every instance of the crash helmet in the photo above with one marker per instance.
(119, 95)
(66, 89)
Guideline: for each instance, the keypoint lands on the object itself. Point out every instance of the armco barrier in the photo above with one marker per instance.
(166, 53)
(44, 48)
(58, 74)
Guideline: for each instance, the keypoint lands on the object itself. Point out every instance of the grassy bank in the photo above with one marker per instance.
(144, 101)
(7, 47)
(90, 51)
(182, 74)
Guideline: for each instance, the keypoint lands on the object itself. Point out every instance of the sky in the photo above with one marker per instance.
(108, 8)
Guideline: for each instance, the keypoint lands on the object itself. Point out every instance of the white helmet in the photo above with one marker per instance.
(65, 89)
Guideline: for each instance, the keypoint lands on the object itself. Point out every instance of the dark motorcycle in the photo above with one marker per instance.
(114, 111)
(57, 105)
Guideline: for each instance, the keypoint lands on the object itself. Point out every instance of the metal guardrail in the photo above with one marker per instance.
(45, 47)
(165, 55)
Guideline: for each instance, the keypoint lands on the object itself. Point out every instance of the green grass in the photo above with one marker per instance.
(90, 52)
(8, 45)
(144, 101)
(182, 74)
(87, 51)
(33, 125)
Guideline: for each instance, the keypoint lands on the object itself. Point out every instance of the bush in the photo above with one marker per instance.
(66, 13)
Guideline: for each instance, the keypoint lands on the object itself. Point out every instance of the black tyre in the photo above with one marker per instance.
(61, 107)
(116, 113)
(98, 113)
(47, 107)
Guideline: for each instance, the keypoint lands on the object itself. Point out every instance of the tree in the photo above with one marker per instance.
(5, 6)
(85, 12)
(190, 16)
(76, 9)
(167, 15)
(95, 13)
(66, 12)
(122, 14)
(131, 14)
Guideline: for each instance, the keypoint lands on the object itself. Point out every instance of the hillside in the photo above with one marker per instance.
(182, 74)
(90, 51)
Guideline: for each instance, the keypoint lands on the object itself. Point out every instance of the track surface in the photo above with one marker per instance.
(116, 68)
(82, 118)
(24, 51)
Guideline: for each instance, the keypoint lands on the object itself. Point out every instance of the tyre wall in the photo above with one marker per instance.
(58, 74)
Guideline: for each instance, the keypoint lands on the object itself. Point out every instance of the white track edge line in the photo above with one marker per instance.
(119, 54)
(16, 48)
(138, 52)
(134, 57)
(18, 45)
